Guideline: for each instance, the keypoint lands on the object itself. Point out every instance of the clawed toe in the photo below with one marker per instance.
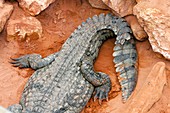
(101, 93)
(19, 62)
(14, 62)
(15, 59)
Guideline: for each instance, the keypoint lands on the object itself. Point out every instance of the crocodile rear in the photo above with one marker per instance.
(65, 81)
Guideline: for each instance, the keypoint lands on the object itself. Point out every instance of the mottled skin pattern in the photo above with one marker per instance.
(65, 81)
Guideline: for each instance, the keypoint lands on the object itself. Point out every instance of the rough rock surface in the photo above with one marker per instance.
(5, 12)
(122, 7)
(1, 3)
(152, 87)
(138, 31)
(138, 1)
(154, 17)
(25, 28)
(34, 7)
(98, 4)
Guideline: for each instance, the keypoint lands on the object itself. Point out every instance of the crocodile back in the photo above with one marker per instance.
(60, 87)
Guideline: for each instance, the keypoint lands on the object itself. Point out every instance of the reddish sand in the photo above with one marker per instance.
(59, 21)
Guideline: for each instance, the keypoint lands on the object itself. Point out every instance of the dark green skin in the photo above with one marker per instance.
(65, 81)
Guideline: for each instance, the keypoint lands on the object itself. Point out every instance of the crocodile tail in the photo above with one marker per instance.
(125, 54)
(125, 57)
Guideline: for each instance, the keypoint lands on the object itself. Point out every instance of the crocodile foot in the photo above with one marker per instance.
(21, 62)
(101, 93)
(34, 61)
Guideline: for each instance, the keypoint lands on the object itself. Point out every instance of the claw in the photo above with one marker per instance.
(100, 101)
(21, 62)
(15, 59)
(95, 98)
(16, 65)
(14, 62)
(101, 97)
(101, 93)
(107, 99)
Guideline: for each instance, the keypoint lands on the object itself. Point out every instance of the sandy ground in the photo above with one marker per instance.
(59, 21)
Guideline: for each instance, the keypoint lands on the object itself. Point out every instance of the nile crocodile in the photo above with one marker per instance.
(65, 81)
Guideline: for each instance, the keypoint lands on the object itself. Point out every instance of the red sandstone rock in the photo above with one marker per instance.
(5, 12)
(138, 1)
(122, 7)
(138, 31)
(26, 28)
(98, 4)
(154, 17)
(1, 3)
(150, 92)
(34, 7)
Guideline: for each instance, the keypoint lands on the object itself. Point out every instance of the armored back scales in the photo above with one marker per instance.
(64, 81)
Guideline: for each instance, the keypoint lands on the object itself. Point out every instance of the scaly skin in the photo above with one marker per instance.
(65, 81)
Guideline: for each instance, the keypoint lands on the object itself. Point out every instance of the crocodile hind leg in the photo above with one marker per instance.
(34, 61)
(100, 80)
